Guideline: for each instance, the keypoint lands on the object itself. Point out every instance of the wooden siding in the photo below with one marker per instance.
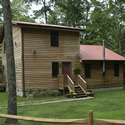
(17, 56)
(98, 80)
(38, 67)
(17, 43)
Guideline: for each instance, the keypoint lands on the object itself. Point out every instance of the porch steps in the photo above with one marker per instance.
(79, 91)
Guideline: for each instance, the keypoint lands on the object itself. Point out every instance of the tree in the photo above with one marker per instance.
(45, 9)
(12, 101)
(19, 11)
(71, 12)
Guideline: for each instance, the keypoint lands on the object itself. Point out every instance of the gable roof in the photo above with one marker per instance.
(95, 52)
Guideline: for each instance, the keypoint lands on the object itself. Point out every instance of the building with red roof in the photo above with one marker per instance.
(46, 55)
(91, 57)
(95, 52)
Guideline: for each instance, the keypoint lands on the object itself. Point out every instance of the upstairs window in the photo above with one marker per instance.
(55, 69)
(116, 70)
(87, 70)
(54, 38)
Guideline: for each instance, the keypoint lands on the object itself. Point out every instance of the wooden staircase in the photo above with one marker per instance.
(80, 93)
(79, 87)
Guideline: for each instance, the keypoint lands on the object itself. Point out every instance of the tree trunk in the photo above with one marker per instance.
(12, 101)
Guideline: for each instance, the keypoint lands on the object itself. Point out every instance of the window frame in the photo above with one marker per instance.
(87, 70)
(55, 69)
(116, 70)
(54, 37)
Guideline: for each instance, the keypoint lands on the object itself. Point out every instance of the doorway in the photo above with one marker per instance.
(67, 69)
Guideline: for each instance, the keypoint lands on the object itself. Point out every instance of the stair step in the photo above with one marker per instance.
(80, 93)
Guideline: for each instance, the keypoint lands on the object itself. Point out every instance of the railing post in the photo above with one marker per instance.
(90, 119)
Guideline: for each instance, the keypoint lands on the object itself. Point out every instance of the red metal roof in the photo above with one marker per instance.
(47, 25)
(95, 52)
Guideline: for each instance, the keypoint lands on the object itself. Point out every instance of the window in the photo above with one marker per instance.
(87, 71)
(116, 70)
(4, 47)
(55, 69)
(54, 38)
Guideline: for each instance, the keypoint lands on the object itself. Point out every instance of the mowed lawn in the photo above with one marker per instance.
(105, 105)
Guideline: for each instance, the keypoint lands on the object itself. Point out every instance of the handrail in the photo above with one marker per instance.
(82, 79)
(69, 88)
(70, 79)
(82, 83)
(70, 83)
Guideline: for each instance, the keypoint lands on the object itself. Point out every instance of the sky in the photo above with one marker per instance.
(35, 7)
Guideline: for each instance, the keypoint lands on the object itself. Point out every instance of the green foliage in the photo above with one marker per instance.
(30, 91)
(113, 109)
(77, 70)
(43, 93)
(19, 11)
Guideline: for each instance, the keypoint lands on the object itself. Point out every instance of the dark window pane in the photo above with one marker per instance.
(87, 71)
(54, 38)
(55, 69)
(116, 70)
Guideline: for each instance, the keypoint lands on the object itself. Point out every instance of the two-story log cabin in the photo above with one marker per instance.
(45, 56)
(41, 52)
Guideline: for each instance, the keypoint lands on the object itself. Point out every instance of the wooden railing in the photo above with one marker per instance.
(61, 83)
(90, 120)
(82, 83)
(70, 84)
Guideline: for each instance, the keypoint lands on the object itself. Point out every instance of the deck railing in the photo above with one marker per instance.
(90, 120)
(70, 84)
(61, 83)
(82, 83)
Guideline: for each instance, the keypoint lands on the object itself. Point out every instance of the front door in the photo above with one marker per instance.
(67, 69)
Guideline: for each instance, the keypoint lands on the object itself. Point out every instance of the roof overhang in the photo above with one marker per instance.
(42, 26)
(47, 26)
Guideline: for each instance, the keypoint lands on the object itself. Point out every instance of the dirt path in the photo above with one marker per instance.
(44, 102)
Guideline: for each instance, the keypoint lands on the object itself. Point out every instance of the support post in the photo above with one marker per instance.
(90, 119)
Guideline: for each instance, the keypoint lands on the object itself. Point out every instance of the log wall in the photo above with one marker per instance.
(98, 80)
(17, 56)
(38, 67)
(17, 43)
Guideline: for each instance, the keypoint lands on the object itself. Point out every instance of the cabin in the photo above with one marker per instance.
(92, 63)
(41, 52)
(45, 56)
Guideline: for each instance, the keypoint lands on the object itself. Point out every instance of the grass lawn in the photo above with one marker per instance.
(106, 105)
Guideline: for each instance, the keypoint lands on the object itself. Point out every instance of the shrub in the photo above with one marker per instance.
(30, 91)
(77, 70)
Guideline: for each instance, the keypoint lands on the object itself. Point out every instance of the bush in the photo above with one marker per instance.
(77, 70)
(45, 93)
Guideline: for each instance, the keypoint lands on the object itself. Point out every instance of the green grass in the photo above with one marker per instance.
(106, 105)
(4, 98)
